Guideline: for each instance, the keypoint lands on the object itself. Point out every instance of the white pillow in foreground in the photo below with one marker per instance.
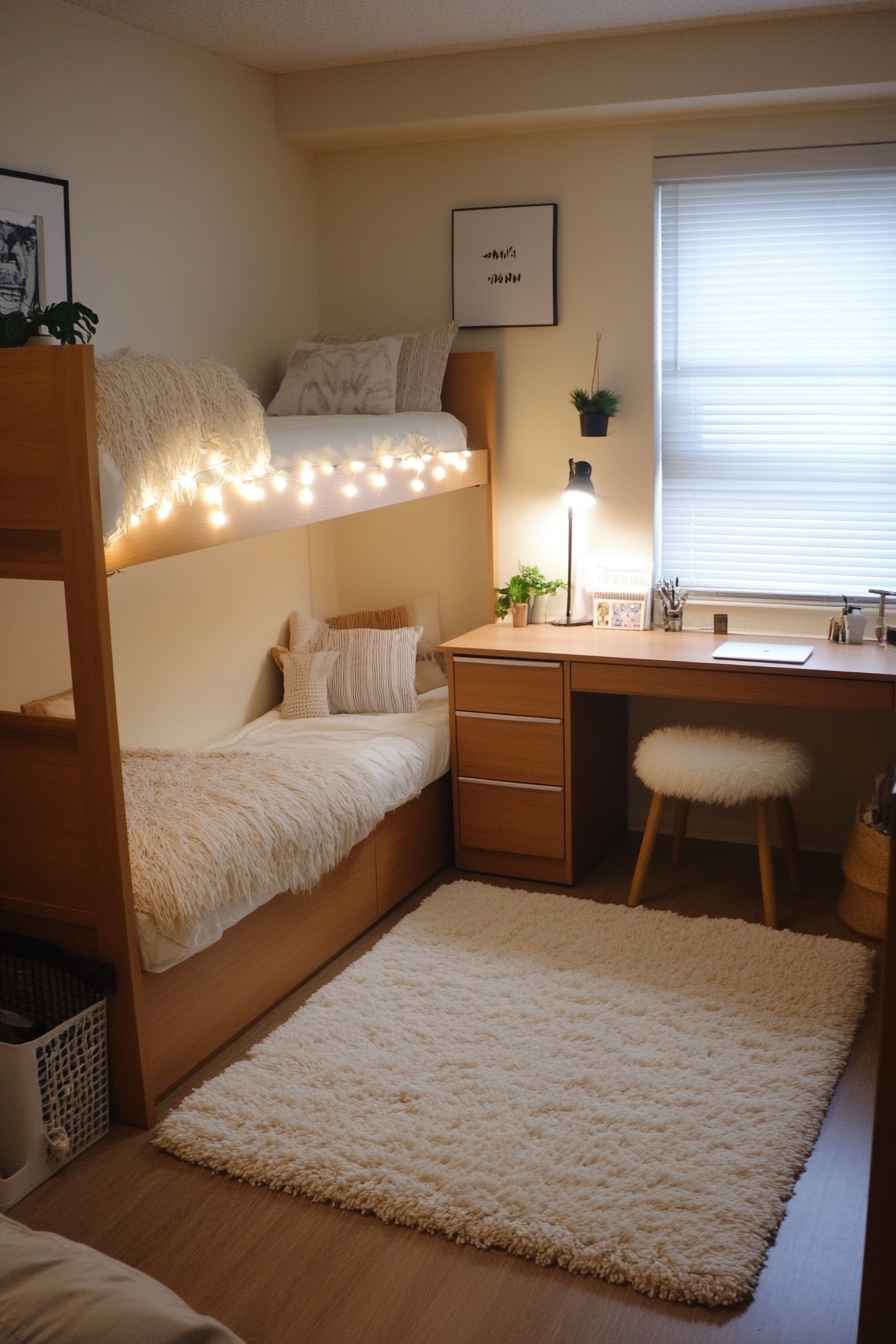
(56, 1291)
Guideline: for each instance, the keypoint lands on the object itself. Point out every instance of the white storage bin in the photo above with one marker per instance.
(54, 1093)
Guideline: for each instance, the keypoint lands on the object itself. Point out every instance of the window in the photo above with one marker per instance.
(777, 381)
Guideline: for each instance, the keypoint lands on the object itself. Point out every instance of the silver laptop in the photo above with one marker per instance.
(763, 653)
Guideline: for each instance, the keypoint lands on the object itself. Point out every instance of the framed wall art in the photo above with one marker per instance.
(35, 253)
(504, 266)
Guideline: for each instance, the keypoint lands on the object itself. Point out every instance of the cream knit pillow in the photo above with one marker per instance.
(305, 677)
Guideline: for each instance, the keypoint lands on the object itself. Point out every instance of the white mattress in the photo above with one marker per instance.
(317, 439)
(343, 438)
(407, 751)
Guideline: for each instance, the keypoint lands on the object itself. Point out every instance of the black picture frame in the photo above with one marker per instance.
(504, 265)
(35, 241)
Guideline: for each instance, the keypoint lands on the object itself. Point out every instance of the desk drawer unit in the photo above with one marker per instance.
(510, 766)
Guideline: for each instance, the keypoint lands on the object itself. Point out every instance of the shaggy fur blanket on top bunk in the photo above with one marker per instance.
(163, 420)
(209, 830)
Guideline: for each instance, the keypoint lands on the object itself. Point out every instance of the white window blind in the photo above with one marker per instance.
(777, 335)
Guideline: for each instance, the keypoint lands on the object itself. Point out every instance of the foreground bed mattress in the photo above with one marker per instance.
(315, 788)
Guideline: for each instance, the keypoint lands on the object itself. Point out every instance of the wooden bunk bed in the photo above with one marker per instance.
(64, 865)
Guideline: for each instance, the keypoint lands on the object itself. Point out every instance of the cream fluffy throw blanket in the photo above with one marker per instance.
(162, 420)
(209, 830)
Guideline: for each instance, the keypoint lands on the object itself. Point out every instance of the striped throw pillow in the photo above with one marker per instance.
(421, 365)
(375, 671)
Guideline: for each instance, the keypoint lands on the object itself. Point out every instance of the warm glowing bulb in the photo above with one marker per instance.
(427, 457)
(135, 520)
(461, 465)
(467, 453)
(439, 473)
(378, 479)
(386, 461)
(261, 468)
(416, 484)
(279, 483)
(350, 490)
(305, 496)
(164, 509)
(356, 466)
(249, 490)
(327, 468)
(212, 494)
(218, 518)
(187, 481)
(306, 476)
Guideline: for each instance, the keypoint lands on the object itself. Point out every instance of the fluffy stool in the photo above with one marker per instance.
(710, 765)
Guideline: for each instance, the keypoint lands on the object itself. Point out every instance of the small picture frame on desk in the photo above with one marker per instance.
(619, 613)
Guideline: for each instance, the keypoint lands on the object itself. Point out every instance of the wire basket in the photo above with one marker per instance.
(54, 1091)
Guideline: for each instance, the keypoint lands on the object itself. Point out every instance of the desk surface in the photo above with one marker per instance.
(652, 662)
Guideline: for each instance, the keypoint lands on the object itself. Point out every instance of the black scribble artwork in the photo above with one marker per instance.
(502, 254)
(508, 279)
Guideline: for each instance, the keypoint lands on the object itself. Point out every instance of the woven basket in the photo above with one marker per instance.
(866, 867)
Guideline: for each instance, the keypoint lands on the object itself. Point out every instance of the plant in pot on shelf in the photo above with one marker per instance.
(514, 598)
(541, 590)
(596, 407)
(68, 323)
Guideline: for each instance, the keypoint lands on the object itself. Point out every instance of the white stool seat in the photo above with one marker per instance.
(711, 765)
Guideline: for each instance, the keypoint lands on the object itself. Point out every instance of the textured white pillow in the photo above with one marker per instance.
(56, 1291)
(375, 671)
(421, 365)
(325, 379)
(305, 677)
(307, 634)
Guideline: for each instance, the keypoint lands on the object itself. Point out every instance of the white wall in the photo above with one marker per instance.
(384, 223)
(192, 232)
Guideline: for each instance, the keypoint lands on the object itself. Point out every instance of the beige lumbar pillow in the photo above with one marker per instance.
(358, 379)
(305, 678)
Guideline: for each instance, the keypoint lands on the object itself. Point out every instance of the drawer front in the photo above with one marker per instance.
(529, 751)
(511, 819)
(509, 686)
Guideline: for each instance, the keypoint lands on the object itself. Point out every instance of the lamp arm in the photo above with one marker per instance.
(569, 574)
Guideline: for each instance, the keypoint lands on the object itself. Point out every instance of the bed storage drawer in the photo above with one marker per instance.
(509, 686)
(512, 818)
(528, 750)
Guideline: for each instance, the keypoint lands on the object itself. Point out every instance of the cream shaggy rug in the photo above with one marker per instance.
(626, 1093)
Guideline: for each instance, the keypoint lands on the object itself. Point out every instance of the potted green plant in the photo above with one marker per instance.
(597, 406)
(68, 322)
(514, 598)
(540, 592)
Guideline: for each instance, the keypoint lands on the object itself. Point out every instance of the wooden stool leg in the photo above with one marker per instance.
(787, 824)
(766, 864)
(679, 829)
(651, 830)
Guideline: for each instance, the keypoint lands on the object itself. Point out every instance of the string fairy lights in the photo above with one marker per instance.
(214, 482)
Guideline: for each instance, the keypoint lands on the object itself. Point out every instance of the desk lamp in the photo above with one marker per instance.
(579, 494)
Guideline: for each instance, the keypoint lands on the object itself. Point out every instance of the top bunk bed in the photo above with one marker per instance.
(310, 467)
(65, 867)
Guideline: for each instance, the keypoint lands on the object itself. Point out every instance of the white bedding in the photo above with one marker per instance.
(405, 752)
(317, 439)
(343, 438)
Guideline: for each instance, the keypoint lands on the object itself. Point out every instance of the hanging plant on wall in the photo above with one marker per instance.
(597, 406)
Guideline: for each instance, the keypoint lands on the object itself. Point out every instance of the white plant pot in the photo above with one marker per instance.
(538, 612)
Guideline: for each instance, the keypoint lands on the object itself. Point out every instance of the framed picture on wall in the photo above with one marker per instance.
(35, 253)
(504, 266)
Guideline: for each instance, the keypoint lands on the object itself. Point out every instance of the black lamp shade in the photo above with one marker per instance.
(579, 492)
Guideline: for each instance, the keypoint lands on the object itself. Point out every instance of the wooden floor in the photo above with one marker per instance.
(279, 1269)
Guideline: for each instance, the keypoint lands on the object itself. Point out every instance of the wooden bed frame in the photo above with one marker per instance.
(64, 866)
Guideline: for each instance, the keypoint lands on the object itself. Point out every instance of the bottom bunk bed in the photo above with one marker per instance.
(65, 866)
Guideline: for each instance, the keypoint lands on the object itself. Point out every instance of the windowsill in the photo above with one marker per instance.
(771, 616)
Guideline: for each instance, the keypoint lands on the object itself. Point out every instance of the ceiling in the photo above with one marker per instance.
(285, 35)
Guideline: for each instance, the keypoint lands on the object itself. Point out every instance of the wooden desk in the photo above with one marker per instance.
(539, 728)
